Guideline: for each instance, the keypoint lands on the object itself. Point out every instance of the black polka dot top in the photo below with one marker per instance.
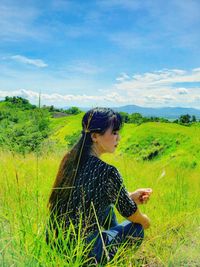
(97, 186)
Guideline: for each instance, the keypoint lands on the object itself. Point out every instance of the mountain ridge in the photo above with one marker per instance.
(165, 112)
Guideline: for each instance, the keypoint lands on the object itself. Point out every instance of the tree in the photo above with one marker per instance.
(194, 118)
(19, 102)
(7, 99)
(175, 121)
(185, 119)
(51, 108)
(136, 118)
(73, 110)
(125, 116)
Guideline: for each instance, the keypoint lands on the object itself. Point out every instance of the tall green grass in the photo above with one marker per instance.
(174, 209)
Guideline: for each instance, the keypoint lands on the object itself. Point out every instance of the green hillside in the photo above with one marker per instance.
(148, 141)
(25, 128)
(64, 128)
(154, 140)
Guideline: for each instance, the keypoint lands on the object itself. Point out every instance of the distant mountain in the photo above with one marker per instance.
(166, 112)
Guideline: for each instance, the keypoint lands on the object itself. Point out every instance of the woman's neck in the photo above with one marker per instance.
(95, 151)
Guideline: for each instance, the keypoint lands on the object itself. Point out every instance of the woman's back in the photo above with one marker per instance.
(97, 186)
(88, 195)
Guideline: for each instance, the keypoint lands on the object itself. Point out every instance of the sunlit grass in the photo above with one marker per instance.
(65, 126)
(172, 240)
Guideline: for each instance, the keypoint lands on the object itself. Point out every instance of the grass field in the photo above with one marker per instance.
(173, 173)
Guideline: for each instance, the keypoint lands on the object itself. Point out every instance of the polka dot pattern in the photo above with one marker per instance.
(101, 184)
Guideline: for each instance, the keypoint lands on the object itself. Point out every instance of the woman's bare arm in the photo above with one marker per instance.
(138, 217)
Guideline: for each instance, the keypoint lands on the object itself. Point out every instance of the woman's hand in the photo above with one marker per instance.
(141, 196)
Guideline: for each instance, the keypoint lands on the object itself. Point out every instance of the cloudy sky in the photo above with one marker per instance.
(101, 52)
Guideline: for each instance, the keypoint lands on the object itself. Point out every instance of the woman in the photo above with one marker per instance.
(86, 188)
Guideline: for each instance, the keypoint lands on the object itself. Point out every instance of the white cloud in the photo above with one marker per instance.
(157, 100)
(114, 97)
(23, 93)
(35, 62)
(196, 70)
(153, 89)
(161, 88)
(158, 80)
(122, 77)
(55, 98)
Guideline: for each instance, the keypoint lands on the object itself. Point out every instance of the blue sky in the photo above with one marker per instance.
(105, 53)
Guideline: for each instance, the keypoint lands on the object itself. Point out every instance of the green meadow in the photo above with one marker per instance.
(163, 156)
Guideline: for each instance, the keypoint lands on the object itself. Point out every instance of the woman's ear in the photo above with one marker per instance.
(94, 137)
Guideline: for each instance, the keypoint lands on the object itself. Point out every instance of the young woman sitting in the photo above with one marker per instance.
(86, 189)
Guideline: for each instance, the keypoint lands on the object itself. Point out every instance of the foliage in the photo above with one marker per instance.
(23, 127)
(125, 116)
(72, 139)
(137, 118)
(194, 118)
(19, 102)
(73, 111)
(186, 119)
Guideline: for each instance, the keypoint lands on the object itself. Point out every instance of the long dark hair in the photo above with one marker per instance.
(96, 120)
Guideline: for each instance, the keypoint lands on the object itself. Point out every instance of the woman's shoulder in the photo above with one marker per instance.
(100, 168)
(103, 164)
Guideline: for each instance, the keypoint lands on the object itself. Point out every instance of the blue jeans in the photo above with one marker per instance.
(114, 236)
